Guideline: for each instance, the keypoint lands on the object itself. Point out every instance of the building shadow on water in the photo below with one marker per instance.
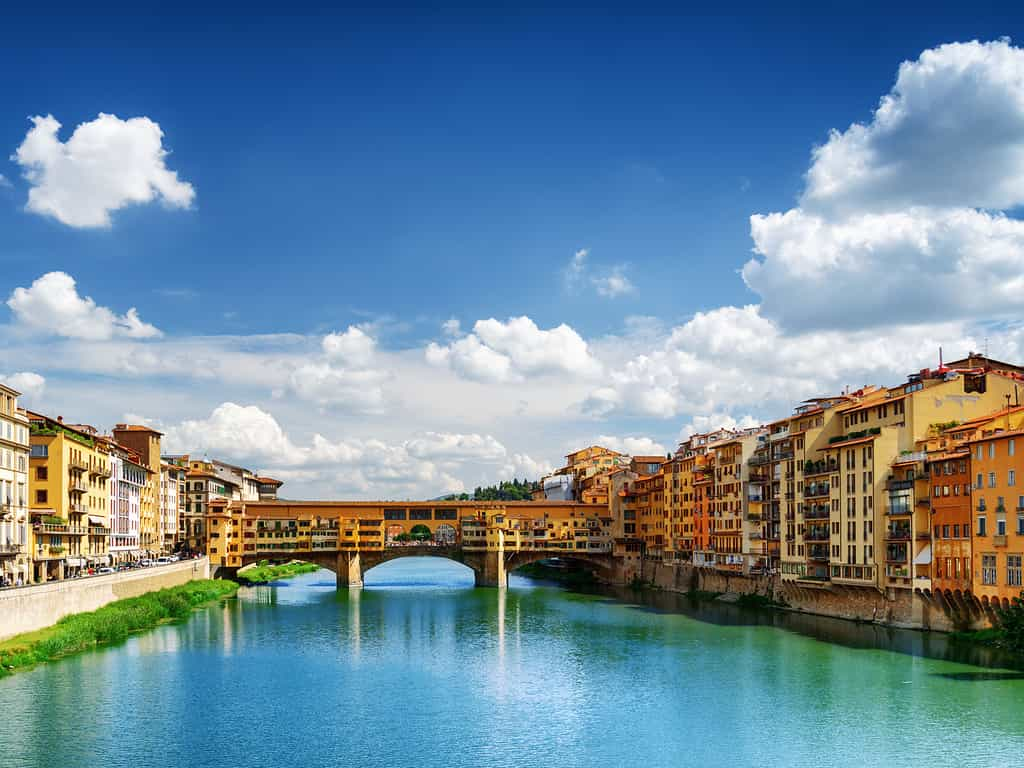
(850, 634)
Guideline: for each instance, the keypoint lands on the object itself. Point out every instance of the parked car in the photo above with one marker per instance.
(163, 560)
(145, 563)
(104, 570)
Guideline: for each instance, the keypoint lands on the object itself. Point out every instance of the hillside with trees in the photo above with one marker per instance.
(506, 490)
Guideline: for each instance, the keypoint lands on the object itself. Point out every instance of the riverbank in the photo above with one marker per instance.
(112, 623)
(264, 573)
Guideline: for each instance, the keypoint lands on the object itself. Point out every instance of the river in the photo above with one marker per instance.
(421, 669)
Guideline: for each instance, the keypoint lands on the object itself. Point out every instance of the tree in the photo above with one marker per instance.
(420, 533)
(1011, 624)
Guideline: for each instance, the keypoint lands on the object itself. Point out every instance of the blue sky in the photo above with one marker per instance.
(390, 169)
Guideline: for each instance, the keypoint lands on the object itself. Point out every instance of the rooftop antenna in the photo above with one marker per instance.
(940, 358)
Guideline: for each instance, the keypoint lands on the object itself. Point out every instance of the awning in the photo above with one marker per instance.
(93, 520)
(924, 557)
(75, 562)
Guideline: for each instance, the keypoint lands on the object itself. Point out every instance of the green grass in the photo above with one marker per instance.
(263, 571)
(110, 624)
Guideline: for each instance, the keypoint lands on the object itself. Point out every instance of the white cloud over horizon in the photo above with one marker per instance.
(105, 165)
(879, 264)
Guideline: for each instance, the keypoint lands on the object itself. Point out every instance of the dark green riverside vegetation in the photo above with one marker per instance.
(264, 573)
(112, 623)
(1008, 633)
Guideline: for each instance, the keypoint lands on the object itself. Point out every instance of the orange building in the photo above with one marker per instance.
(998, 501)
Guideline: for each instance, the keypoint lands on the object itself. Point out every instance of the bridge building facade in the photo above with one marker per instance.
(349, 538)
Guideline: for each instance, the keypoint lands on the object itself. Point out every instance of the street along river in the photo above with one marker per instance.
(421, 669)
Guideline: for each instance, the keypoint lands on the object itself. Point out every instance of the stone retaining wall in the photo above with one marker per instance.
(898, 607)
(26, 609)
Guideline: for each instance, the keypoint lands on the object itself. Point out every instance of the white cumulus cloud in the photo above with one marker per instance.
(52, 305)
(904, 218)
(29, 384)
(510, 351)
(105, 165)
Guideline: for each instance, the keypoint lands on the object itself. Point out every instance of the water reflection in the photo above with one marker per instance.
(415, 671)
(860, 635)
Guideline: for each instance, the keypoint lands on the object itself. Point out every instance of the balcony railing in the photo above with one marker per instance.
(817, 553)
(816, 512)
(821, 467)
(813, 490)
(999, 540)
(816, 533)
(897, 534)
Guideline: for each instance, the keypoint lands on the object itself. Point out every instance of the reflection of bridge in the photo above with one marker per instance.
(349, 538)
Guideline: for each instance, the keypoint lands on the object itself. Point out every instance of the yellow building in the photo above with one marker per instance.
(69, 497)
(15, 538)
(145, 442)
(877, 487)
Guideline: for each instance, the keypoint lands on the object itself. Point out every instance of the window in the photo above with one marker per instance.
(419, 514)
(1010, 447)
(956, 531)
(979, 455)
(446, 514)
(991, 479)
(1011, 478)
(979, 483)
(1001, 526)
(41, 497)
(988, 569)
(1013, 571)
(41, 473)
(981, 526)
(394, 514)
(991, 450)
(1020, 525)
(945, 531)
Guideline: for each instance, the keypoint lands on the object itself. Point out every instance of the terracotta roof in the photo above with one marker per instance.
(845, 443)
(135, 428)
(996, 435)
(269, 481)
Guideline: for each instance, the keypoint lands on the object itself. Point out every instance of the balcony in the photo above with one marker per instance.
(754, 517)
(898, 510)
(999, 540)
(79, 465)
(816, 512)
(816, 533)
(897, 533)
(815, 490)
(77, 486)
(820, 467)
(817, 553)
(10, 549)
(898, 485)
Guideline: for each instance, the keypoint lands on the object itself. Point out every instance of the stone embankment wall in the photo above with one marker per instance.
(897, 608)
(26, 609)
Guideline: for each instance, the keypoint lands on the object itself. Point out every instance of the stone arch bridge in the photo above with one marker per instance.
(491, 538)
(490, 568)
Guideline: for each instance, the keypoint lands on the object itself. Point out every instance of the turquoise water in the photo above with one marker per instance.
(421, 669)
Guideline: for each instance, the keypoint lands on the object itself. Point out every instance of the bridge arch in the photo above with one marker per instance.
(599, 563)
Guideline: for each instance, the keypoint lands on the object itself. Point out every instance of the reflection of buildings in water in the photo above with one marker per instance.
(355, 631)
(502, 601)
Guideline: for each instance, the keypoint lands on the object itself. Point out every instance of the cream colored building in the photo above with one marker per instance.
(145, 442)
(15, 538)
